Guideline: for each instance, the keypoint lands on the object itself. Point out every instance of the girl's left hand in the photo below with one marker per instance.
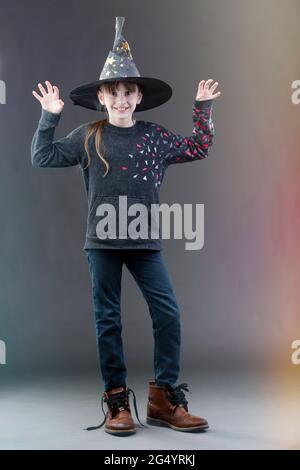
(206, 93)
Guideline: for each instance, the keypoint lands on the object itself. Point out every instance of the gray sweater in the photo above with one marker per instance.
(138, 156)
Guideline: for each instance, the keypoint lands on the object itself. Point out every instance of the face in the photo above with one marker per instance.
(120, 104)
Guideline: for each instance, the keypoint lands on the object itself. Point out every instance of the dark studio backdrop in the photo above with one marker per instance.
(238, 295)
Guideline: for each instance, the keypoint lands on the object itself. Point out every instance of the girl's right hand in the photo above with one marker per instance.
(50, 100)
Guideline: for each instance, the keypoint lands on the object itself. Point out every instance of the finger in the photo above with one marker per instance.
(42, 89)
(214, 86)
(56, 92)
(208, 82)
(49, 86)
(38, 97)
(201, 85)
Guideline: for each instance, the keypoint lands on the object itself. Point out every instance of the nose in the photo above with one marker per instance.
(121, 101)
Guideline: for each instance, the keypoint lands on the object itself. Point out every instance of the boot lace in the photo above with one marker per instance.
(177, 397)
(116, 402)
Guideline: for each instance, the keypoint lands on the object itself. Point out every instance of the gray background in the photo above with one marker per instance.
(232, 293)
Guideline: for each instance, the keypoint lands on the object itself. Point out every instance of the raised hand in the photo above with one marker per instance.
(49, 100)
(206, 93)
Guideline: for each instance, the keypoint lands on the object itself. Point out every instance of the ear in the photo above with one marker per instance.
(100, 96)
(140, 97)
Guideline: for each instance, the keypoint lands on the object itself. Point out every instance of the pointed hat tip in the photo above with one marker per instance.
(120, 20)
(119, 25)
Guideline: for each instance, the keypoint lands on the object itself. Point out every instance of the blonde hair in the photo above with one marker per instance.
(96, 127)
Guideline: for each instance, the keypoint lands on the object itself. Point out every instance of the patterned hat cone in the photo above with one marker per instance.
(119, 62)
(119, 65)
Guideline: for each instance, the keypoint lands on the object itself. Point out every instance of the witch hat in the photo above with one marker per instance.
(119, 65)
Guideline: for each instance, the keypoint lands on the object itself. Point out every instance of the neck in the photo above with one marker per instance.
(121, 122)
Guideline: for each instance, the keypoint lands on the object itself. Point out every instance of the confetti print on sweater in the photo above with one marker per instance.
(160, 147)
(181, 149)
(145, 162)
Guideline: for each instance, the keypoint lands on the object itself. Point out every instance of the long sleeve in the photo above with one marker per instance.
(181, 149)
(47, 153)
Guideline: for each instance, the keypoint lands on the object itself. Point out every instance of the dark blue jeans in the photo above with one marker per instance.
(149, 270)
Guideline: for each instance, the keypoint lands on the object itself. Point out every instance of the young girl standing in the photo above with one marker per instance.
(122, 158)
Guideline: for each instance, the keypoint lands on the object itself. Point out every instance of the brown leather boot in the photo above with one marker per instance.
(118, 419)
(167, 407)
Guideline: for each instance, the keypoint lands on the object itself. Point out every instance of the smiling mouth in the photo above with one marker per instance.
(121, 109)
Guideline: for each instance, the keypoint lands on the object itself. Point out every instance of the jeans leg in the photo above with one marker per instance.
(150, 272)
(106, 274)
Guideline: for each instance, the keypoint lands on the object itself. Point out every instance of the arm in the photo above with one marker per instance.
(181, 149)
(61, 153)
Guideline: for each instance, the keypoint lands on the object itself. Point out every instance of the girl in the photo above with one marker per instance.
(121, 156)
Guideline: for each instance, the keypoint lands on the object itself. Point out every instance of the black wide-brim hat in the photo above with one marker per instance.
(119, 66)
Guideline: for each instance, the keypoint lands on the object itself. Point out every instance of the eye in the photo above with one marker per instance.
(114, 92)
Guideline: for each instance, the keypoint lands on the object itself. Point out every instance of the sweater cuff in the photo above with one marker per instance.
(204, 104)
(48, 118)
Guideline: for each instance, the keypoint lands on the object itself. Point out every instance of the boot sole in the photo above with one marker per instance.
(125, 432)
(159, 422)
